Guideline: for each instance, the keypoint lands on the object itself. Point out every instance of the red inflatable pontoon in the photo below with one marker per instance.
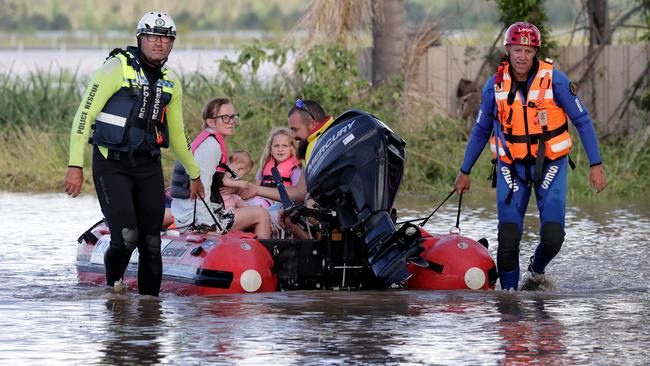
(193, 264)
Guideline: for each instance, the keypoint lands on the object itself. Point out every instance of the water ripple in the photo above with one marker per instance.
(599, 314)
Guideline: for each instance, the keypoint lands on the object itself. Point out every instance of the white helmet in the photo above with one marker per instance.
(156, 22)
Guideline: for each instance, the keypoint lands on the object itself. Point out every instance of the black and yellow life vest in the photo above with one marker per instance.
(136, 112)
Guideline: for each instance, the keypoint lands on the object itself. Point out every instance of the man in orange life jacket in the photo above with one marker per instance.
(525, 107)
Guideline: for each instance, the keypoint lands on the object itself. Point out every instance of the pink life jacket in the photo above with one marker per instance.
(285, 168)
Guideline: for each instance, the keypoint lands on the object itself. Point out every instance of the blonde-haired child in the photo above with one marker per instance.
(280, 152)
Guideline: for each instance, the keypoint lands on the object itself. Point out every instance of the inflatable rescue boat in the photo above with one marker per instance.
(353, 176)
(208, 264)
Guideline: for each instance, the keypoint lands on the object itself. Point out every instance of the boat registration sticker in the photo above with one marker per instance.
(208, 244)
(175, 249)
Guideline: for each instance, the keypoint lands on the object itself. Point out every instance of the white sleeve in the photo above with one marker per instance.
(207, 156)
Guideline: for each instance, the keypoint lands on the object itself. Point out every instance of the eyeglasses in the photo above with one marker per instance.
(233, 118)
(300, 104)
(155, 37)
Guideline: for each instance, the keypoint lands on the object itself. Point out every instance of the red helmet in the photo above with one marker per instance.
(523, 33)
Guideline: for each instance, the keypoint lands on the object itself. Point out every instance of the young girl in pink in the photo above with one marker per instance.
(280, 152)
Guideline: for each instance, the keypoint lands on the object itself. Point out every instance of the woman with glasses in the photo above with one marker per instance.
(210, 152)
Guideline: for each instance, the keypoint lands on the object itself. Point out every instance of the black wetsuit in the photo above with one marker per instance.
(130, 190)
(132, 201)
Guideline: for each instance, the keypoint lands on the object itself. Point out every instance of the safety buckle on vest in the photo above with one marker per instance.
(133, 89)
(493, 174)
(542, 117)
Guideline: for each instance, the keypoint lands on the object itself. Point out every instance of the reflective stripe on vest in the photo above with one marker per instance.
(119, 126)
(524, 126)
(285, 168)
(111, 119)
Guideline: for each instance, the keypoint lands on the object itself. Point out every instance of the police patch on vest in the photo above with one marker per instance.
(573, 87)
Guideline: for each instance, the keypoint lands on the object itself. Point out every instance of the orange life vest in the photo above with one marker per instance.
(524, 125)
(285, 168)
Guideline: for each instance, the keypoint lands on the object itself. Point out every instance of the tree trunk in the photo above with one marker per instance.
(389, 40)
(598, 22)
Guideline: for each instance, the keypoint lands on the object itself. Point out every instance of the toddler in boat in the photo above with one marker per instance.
(240, 163)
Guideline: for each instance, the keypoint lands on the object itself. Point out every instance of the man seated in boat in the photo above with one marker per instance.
(307, 121)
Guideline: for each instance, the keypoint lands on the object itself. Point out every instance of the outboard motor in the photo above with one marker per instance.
(355, 169)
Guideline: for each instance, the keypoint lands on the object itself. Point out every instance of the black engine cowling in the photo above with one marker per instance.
(355, 169)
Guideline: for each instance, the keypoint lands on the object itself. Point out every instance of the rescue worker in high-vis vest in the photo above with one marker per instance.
(133, 106)
(524, 111)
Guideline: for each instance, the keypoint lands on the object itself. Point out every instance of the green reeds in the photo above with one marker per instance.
(33, 159)
(40, 99)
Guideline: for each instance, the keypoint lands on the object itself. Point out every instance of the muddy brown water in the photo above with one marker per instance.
(598, 315)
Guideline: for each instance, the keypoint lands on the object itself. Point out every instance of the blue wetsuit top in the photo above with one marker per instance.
(572, 105)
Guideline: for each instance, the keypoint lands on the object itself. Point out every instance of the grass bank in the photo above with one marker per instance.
(34, 159)
(37, 110)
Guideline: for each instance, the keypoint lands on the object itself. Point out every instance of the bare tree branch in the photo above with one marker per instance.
(593, 56)
(625, 103)
(485, 60)
(577, 21)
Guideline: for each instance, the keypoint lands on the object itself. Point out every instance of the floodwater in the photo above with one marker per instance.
(600, 313)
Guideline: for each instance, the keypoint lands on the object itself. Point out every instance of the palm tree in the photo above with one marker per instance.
(329, 21)
(389, 40)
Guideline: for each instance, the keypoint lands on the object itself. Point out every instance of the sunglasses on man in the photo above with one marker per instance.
(300, 104)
